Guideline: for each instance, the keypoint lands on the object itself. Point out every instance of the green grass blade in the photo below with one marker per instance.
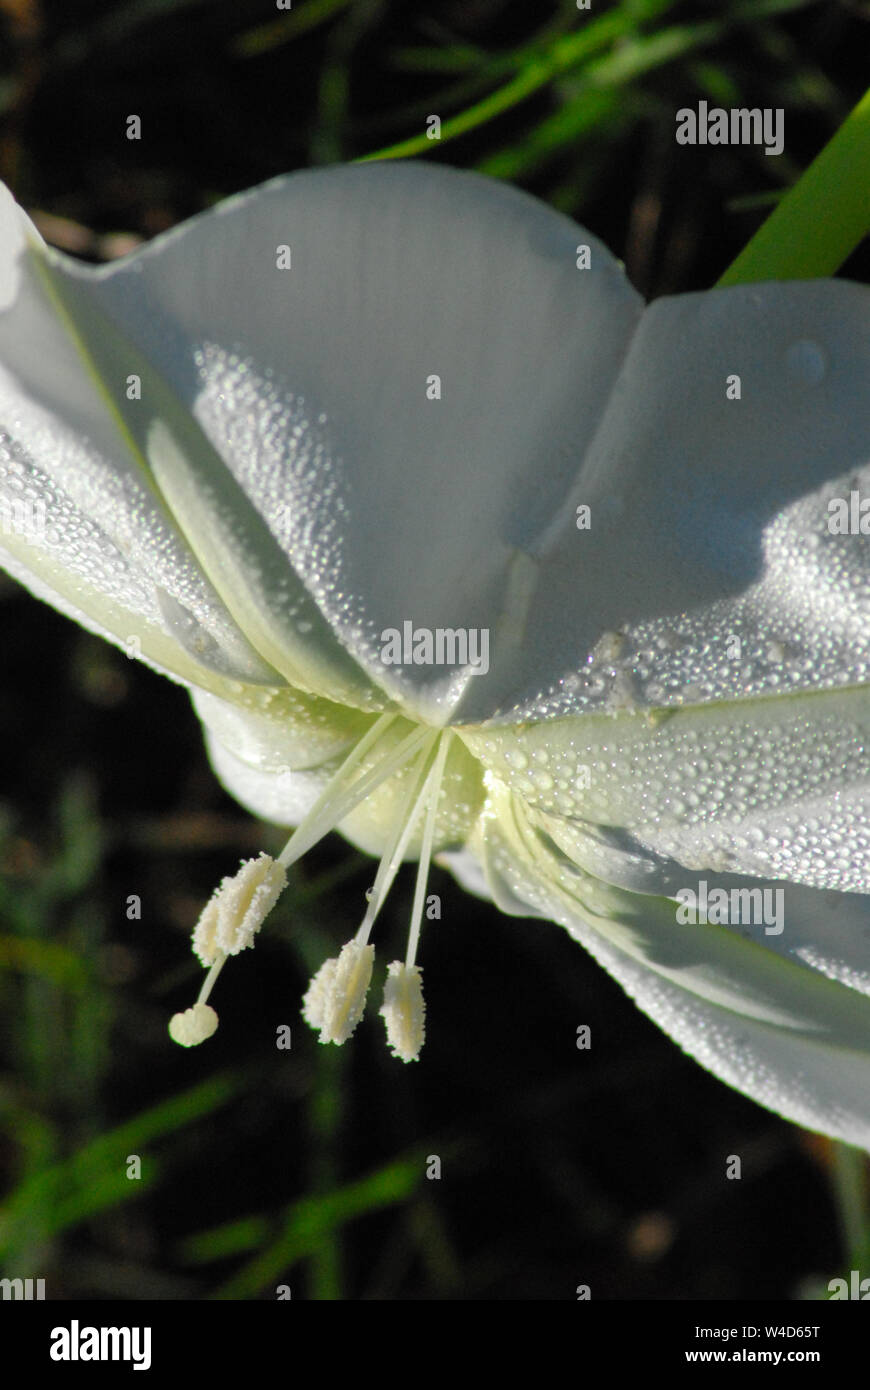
(818, 223)
(94, 1178)
(308, 1222)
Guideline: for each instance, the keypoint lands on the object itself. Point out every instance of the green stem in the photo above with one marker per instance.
(821, 220)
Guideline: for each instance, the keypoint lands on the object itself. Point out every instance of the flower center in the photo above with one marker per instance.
(336, 997)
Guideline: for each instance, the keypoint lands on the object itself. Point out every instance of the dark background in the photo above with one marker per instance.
(308, 1168)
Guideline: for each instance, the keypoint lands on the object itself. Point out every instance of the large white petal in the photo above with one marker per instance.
(709, 571)
(794, 1034)
(310, 383)
(79, 523)
(777, 787)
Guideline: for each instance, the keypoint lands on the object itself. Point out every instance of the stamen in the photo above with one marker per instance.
(228, 924)
(354, 757)
(402, 830)
(426, 848)
(332, 1004)
(335, 999)
(404, 1011)
(208, 983)
(337, 995)
(238, 908)
(338, 799)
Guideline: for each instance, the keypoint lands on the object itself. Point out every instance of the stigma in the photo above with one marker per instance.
(335, 1001)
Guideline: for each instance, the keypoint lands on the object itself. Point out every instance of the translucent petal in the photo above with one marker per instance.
(264, 777)
(821, 1081)
(79, 523)
(283, 730)
(712, 567)
(775, 788)
(419, 439)
(467, 870)
(229, 539)
(792, 1033)
(314, 386)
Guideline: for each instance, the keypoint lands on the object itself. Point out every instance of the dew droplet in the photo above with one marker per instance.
(516, 758)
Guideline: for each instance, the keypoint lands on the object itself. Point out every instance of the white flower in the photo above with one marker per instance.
(464, 552)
